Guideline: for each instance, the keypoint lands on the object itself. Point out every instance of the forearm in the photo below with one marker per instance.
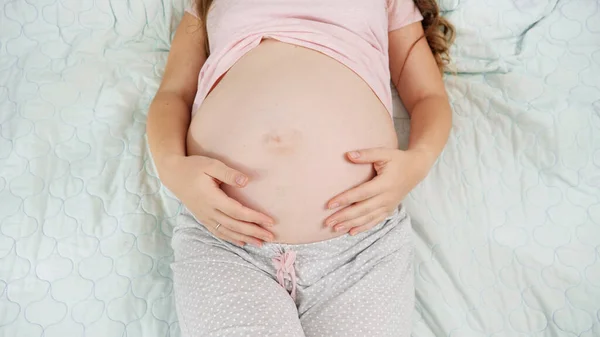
(168, 121)
(431, 120)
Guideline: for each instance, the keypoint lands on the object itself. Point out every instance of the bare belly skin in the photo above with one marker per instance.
(285, 116)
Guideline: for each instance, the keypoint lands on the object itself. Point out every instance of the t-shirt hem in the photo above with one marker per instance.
(402, 24)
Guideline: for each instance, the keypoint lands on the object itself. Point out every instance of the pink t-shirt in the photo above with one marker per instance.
(353, 32)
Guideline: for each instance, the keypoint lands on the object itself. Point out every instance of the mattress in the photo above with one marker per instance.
(506, 226)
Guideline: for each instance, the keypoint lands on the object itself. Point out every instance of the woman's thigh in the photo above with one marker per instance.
(218, 293)
(376, 303)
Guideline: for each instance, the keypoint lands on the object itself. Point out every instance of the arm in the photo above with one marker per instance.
(196, 180)
(169, 114)
(419, 83)
(420, 86)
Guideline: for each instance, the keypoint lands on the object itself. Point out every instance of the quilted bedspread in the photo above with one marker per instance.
(506, 226)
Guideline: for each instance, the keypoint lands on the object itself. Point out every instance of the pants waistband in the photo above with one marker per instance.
(333, 246)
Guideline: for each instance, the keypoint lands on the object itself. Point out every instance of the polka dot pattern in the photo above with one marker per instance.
(348, 286)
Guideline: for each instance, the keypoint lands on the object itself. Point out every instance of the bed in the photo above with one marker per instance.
(506, 226)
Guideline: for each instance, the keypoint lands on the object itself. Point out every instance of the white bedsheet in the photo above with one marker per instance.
(507, 225)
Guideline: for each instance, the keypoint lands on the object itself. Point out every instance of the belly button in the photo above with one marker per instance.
(282, 142)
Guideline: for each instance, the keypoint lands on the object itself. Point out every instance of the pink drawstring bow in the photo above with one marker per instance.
(284, 263)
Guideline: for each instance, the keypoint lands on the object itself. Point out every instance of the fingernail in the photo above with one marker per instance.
(258, 244)
(268, 224)
(353, 154)
(334, 205)
(330, 223)
(241, 180)
(267, 238)
(339, 229)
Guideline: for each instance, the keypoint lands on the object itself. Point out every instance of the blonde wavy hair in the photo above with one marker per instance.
(439, 32)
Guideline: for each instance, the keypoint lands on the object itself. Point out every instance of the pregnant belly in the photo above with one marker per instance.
(285, 116)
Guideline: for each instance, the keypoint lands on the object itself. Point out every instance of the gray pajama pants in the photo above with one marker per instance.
(348, 286)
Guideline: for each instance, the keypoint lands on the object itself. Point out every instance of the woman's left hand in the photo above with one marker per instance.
(366, 205)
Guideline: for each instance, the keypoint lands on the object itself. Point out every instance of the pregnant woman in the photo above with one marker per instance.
(273, 125)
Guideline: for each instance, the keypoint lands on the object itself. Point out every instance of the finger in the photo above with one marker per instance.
(216, 232)
(239, 237)
(359, 193)
(247, 229)
(356, 222)
(372, 155)
(208, 221)
(366, 227)
(354, 211)
(236, 210)
(224, 173)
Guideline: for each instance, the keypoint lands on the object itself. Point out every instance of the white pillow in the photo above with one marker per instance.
(448, 5)
(490, 33)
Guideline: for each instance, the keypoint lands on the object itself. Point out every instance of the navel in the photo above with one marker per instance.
(282, 142)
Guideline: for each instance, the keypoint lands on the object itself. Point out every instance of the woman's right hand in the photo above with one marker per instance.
(196, 180)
